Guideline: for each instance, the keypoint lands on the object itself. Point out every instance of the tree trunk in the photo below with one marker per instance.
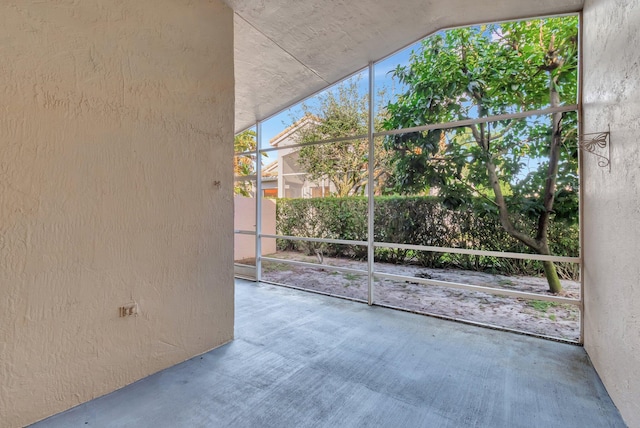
(539, 244)
(550, 189)
(552, 277)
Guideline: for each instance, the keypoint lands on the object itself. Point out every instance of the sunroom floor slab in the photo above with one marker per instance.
(306, 360)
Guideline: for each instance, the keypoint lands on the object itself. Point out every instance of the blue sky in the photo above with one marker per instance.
(383, 79)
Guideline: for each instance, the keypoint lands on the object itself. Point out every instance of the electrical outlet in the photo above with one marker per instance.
(128, 309)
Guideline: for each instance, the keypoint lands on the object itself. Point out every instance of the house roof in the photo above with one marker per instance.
(285, 135)
(287, 50)
(270, 169)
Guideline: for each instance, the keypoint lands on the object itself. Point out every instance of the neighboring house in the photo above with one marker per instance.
(292, 181)
(270, 180)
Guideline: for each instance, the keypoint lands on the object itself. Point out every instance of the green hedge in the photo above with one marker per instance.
(420, 220)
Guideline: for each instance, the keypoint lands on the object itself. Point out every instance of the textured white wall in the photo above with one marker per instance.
(116, 123)
(612, 200)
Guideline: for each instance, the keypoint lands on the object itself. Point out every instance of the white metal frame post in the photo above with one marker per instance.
(370, 190)
(258, 196)
(580, 180)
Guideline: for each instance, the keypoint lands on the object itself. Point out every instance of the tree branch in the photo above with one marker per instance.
(505, 130)
(476, 135)
(552, 170)
(505, 221)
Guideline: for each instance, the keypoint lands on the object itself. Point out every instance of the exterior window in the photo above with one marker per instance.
(270, 193)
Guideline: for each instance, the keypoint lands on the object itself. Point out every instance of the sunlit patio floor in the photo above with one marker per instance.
(305, 360)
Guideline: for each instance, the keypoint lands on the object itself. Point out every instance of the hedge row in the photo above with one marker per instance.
(420, 220)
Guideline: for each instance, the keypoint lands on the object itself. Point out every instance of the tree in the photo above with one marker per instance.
(513, 165)
(339, 113)
(244, 165)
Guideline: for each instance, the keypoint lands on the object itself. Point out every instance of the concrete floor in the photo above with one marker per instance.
(306, 360)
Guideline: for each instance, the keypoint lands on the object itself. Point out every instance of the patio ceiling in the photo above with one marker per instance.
(286, 50)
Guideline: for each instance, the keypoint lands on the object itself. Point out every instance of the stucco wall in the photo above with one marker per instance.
(244, 246)
(116, 135)
(612, 200)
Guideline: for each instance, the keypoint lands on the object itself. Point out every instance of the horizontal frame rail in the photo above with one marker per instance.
(242, 265)
(245, 232)
(502, 254)
(240, 178)
(507, 255)
(482, 289)
(478, 323)
(321, 240)
(248, 153)
(314, 265)
(442, 125)
(467, 122)
(315, 143)
(324, 293)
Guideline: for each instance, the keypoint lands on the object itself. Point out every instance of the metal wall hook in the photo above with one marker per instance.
(598, 144)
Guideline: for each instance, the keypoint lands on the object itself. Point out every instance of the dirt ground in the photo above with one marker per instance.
(534, 316)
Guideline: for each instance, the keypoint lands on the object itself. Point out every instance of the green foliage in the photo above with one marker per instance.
(420, 220)
(275, 267)
(483, 71)
(245, 141)
(352, 277)
(541, 305)
(244, 165)
(341, 112)
(331, 218)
